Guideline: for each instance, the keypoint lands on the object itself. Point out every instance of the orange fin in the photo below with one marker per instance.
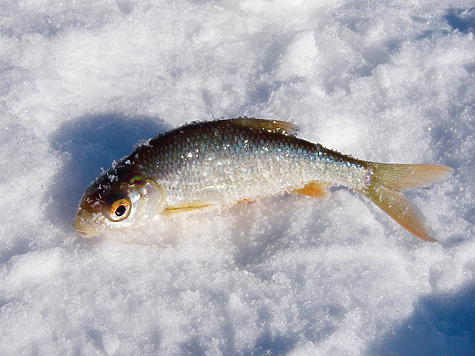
(272, 126)
(184, 208)
(243, 201)
(386, 187)
(316, 190)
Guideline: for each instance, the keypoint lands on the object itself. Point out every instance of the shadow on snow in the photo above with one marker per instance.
(442, 324)
(88, 145)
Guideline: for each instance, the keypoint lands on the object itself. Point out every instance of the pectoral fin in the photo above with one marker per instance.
(185, 208)
(316, 190)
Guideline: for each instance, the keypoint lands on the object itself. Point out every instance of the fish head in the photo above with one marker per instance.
(112, 202)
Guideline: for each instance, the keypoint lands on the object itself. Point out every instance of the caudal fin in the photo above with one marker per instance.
(390, 180)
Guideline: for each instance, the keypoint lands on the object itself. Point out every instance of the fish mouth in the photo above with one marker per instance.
(83, 227)
(82, 231)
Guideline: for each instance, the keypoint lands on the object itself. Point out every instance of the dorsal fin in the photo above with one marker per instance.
(272, 126)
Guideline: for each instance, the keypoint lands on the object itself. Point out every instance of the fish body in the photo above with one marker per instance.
(224, 162)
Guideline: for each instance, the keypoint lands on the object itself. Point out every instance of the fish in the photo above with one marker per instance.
(224, 162)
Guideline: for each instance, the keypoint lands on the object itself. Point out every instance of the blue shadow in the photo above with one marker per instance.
(442, 324)
(462, 20)
(88, 145)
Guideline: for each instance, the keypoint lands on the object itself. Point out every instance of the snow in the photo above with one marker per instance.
(81, 83)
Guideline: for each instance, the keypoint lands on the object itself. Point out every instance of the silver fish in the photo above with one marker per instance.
(224, 162)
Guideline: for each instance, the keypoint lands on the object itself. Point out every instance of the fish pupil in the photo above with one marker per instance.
(121, 209)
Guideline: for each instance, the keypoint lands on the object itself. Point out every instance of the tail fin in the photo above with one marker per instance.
(386, 186)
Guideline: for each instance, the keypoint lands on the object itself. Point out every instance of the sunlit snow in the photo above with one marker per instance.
(82, 82)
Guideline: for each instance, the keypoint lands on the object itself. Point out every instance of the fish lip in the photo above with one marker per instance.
(84, 234)
(83, 230)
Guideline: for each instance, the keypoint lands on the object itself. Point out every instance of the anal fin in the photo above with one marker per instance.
(313, 189)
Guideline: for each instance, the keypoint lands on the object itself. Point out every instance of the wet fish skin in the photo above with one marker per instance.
(224, 162)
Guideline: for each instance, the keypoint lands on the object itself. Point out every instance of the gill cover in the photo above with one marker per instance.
(108, 204)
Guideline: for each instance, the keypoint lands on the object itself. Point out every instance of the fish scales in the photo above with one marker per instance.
(225, 162)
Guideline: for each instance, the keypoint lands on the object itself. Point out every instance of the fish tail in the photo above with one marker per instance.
(385, 185)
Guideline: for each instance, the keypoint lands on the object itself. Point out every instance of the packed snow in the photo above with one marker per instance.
(83, 82)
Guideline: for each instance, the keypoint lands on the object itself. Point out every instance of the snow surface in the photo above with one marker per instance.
(81, 82)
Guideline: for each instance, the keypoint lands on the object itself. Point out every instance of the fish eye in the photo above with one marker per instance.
(119, 209)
